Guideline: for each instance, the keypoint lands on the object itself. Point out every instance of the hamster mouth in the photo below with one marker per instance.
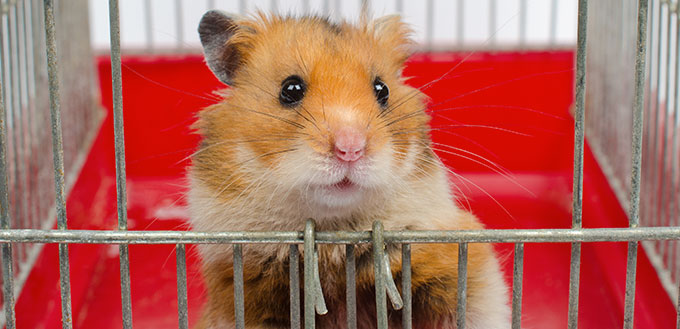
(344, 184)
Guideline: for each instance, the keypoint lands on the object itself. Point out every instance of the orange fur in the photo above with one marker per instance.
(249, 137)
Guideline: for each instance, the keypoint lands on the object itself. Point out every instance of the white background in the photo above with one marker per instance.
(165, 26)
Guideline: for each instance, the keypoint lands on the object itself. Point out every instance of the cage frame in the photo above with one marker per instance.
(309, 238)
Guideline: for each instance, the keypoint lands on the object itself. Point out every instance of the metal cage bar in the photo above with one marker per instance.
(517, 276)
(15, 97)
(638, 107)
(294, 261)
(579, 141)
(182, 297)
(351, 287)
(119, 140)
(58, 153)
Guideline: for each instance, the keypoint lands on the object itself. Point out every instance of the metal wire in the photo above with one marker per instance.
(182, 296)
(379, 270)
(340, 237)
(294, 260)
(407, 311)
(58, 154)
(119, 136)
(461, 290)
(517, 276)
(5, 220)
(351, 287)
(579, 140)
(14, 158)
(239, 308)
(638, 106)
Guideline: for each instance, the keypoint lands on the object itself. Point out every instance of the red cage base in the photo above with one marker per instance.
(517, 106)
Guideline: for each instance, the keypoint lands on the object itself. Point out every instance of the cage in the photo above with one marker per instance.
(566, 148)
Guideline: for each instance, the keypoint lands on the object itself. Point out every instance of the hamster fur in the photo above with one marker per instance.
(339, 155)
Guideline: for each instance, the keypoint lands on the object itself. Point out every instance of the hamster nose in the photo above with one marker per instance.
(349, 145)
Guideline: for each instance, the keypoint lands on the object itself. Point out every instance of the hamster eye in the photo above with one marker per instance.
(292, 91)
(382, 93)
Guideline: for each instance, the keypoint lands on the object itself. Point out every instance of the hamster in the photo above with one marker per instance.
(319, 123)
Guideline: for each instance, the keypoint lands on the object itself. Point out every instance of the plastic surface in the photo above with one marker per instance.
(512, 108)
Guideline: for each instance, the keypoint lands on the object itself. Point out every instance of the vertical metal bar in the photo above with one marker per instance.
(460, 22)
(634, 214)
(326, 9)
(182, 297)
(522, 22)
(180, 24)
(211, 4)
(407, 311)
(305, 6)
(21, 123)
(15, 107)
(655, 126)
(338, 9)
(429, 24)
(294, 261)
(30, 80)
(662, 205)
(517, 278)
(674, 159)
(309, 274)
(462, 285)
(148, 25)
(380, 292)
(399, 5)
(493, 12)
(119, 135)
(365, 8)
(274, 6)
(239, 311)
(647, 131)
(242, 7)
(553, 22)
(577, 198)
(677, 310)
(5, 220)
(351, 287)
(58, 159)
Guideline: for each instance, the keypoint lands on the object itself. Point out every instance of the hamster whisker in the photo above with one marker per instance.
(245, 141)
(211, 99)
(240, 165)
(460, 177)
(505, 130)
(309, 119)
(432, 110)
(500, 83)
(491, 165)
(441, 165)
(448, 132)
(292, 123)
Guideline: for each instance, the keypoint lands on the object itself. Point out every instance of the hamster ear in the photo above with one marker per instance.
(215, 30)
(394, 34)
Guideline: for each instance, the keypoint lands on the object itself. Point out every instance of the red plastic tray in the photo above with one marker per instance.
(517, 108)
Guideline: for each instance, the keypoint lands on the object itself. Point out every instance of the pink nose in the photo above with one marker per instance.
(349, 145)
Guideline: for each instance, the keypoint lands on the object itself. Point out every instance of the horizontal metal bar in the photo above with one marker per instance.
(472, 236)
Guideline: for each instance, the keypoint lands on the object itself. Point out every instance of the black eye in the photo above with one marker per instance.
(382, 93)
(292, 91)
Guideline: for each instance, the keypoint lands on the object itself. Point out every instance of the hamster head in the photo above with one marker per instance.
(317, 113)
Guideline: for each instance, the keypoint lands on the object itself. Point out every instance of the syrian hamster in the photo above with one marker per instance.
(319, 123)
